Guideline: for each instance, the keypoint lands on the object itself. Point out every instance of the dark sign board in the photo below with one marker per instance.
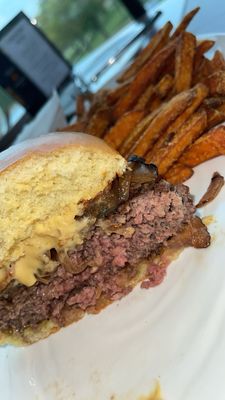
(30, 65)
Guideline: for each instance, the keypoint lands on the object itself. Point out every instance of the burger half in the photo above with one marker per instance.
(79, 228)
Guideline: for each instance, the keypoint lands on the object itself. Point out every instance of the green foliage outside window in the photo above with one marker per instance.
(79, 26)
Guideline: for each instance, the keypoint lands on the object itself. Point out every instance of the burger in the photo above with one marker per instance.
(79, 227)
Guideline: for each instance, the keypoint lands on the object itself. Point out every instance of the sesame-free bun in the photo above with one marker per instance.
(44, 183)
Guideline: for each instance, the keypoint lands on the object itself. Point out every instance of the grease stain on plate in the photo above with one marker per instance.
(208, 220)
(60, 391)
(154, 394)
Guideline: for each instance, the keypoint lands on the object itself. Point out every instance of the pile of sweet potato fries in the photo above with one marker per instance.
(167, 106)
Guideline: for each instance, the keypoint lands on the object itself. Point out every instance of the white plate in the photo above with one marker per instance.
(173, 334)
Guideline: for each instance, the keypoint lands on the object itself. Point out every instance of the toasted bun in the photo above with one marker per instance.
(44, 183)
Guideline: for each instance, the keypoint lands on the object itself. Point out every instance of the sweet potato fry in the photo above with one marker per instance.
(175, 144)
(201, 92)
(218, 62)
(99, 122)
(178, 173)
(169, 67)
(215, 186)
(202, 72)
(164, 86)
(118, 133)
(209, 145)
(185, 22)
(201, 49)
(136, 133)
(213, 102)
(221, 108)
(98, 102)
(79, 126)
(168, 113)
(147, 74)
(216, 83)
(80, 107)
(114, 95)
(145, 98)
(155, 103)
(214, 117)
(157, 42)
(184, 62)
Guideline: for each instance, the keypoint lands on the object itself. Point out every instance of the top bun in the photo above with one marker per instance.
(44, 183)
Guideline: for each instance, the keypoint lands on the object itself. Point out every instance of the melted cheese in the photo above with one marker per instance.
(26, 266)
(59, 232)
(3, 274)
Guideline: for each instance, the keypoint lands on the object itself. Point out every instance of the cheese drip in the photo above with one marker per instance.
(59, 232)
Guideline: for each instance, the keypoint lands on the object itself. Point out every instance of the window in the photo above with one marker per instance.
(77, 28)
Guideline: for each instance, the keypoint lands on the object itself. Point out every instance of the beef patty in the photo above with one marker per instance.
(107, 259)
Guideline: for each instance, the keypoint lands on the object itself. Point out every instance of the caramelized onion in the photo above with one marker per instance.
(69, 266)
(110, 199)
(216, 184)
(43, 279)
(106, 202)
(142, 172)
(194, 234)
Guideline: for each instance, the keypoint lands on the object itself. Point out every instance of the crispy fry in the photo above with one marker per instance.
(213, 102)
(210, 67)
(153, 95)
(178, 173)
(98, 102)
(147, 74)
(221, 108)
(175, 144)
(155, 103)
(80, 107)
(168, 113)
(169, 67)
(118, 133)
(216, 83)
(209, 145)
(202, 72)
(89, 96)
(202, 48)
(214, 117)
(79, 126)
(136, 133)
(181, 91)
(215, 186)
(114, 95)
(145, 98)
(164, 86)
(99, 122)
(185, 22)
(184, 62)
(201, 92)
(218, 62)
(157, 42)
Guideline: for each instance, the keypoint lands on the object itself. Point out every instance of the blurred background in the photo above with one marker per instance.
(87, 33)
(91, 35)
